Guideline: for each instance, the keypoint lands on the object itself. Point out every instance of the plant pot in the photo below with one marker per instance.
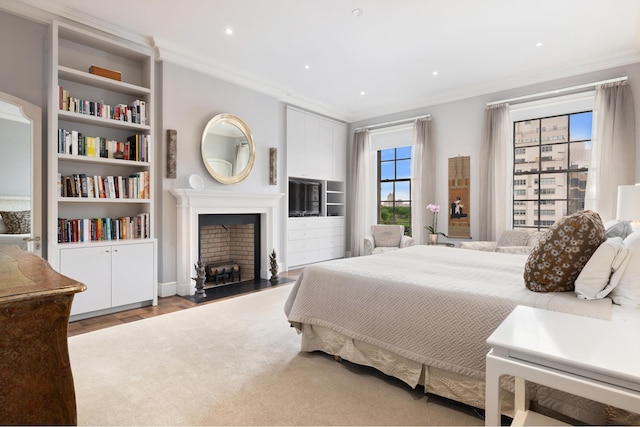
(433, 239)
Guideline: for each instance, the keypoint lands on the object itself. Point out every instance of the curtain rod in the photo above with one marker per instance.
(557, 91)
(395, 122)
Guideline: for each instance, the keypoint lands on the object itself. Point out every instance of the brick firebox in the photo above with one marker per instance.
(234, 238)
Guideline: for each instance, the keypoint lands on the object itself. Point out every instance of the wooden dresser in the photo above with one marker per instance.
(36, 383)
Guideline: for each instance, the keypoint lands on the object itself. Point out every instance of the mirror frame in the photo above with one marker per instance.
(237, 122)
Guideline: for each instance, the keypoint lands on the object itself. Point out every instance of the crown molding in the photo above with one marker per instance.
(47, 11)
(170, 52)
(628, 58)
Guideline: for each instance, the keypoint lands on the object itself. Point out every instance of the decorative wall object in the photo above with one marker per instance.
(459, 203)
(172, 152)
(273, 262)
(273, 166)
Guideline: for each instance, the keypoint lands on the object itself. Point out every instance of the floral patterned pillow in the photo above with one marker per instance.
(562, 252)
(17, 222)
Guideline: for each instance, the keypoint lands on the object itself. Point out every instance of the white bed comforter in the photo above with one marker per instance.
(431, 304)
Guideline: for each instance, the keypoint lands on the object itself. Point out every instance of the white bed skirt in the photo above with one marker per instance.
(458, 387)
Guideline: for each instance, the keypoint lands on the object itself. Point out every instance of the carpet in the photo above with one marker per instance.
(235, 362)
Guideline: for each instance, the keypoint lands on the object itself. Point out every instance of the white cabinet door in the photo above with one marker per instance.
(316, 146)
(132, 273)
(91, 266)
(339, 152)
(314, 133)
(295, 143)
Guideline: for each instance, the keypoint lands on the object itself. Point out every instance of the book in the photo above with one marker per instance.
(105, 72)
(83, 185)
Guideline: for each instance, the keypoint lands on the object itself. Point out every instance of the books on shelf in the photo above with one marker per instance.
(134, 186)
(72, 142)
(104, 229)
(134, 112)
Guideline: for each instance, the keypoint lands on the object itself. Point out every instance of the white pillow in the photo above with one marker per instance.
(617, 228)
(627, 293)
(595, 281)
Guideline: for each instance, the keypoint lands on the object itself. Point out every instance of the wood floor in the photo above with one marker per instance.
(165, 305)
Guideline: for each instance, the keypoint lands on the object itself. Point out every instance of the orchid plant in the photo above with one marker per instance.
(433, 229)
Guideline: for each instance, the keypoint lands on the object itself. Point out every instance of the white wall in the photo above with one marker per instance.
(189, 99)
(457, 128)
(23, 75)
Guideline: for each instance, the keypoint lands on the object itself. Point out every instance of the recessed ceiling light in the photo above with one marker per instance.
(357, 12)
(306, 67)
(363, 93)
(228, 31)
(435, 73)
(538, 44)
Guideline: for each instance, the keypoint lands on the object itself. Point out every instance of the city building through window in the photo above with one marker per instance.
(551, 163)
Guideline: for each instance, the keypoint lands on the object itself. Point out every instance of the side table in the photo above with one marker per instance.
(36, 385)
(592, 358)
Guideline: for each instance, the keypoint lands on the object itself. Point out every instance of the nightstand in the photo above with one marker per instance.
(588, 357)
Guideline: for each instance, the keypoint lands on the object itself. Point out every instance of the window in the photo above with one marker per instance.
(394, 187)
(553, 162)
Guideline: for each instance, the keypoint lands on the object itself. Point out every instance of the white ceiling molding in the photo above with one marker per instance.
(38, 12)
(167, 51)
(618, 61)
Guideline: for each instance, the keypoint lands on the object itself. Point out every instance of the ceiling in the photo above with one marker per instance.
(383, 60)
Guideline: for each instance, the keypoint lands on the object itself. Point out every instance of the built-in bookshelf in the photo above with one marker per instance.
(100, 168)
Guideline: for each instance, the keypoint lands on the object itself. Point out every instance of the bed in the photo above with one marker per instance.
(15, 223)
(423, 314)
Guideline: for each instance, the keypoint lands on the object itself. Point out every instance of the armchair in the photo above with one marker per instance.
(386, 238)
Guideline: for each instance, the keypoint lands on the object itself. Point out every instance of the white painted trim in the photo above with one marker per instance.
(167, 289)
(191, 203)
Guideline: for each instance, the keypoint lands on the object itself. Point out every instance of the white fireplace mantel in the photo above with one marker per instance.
(191, 203)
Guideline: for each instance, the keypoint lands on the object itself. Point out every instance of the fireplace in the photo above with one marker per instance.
(229, 245)
(192, 204)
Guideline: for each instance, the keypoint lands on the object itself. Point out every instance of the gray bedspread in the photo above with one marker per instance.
(431, 304)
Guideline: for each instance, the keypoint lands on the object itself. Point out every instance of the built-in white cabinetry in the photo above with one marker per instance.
(101, 168)
(316, 146)
(112, 274)
(334, 198)
(316, 159)
(315, 239)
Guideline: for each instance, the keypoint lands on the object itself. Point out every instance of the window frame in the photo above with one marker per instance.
(544, 147)
(380, 181)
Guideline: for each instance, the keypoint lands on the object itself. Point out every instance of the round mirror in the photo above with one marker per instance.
(228, 150)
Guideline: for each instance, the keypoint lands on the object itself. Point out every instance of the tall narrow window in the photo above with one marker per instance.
(551, 163)
(394, 187)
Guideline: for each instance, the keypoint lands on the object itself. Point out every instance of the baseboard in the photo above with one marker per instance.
(167, 289)
(185, 289)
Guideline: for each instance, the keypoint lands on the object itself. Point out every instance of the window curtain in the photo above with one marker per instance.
(494, 172)
(359, 191)
(613, 147)
(242, 158)
(422, 177)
